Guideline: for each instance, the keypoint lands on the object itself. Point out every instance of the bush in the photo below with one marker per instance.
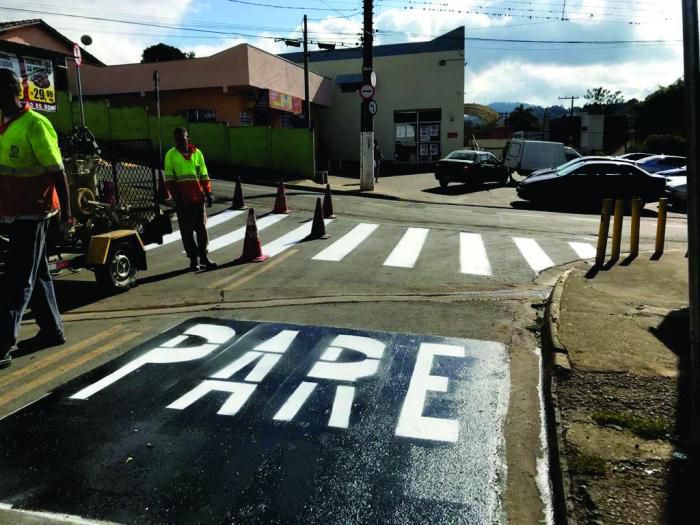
(664, 144)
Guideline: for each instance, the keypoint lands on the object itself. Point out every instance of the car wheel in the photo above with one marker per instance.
(444, 183)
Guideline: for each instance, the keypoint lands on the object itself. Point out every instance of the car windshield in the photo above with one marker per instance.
(462, 155)
(567, 168)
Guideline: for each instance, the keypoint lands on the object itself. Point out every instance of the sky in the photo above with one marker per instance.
(495, 70)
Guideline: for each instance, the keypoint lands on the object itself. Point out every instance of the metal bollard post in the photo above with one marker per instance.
(603, 231)
(617, 229)
(634, 231)
(661, 228)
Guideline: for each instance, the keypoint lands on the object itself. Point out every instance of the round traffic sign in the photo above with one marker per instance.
(372, 107)
(367, 91)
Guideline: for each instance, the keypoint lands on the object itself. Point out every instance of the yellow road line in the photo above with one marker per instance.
(46, 378)
(230, 278)
(268, 266)
(57, 356)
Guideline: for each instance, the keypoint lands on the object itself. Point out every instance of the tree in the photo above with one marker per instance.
(163, 53)
(600, 100)
(521, 119)
(662, 112)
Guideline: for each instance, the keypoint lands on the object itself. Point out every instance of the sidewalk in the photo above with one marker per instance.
(620, 343)
(418, 187)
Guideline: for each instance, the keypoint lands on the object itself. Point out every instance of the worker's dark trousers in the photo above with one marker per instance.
(27, 281)
(192, 219)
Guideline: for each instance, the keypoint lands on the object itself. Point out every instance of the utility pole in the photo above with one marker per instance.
(156, 86)
(571, 119)
(307, 102)
(366, 119)
(691, 61)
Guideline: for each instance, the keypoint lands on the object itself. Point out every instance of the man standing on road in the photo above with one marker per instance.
(33, 187)
(188, 182)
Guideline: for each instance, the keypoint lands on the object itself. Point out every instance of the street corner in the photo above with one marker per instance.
(273, 422)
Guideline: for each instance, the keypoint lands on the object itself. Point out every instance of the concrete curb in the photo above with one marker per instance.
(555, 364)
(373, 195)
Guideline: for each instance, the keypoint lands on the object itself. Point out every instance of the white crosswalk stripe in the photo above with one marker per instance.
(238, 234)
(290, 239)
(217, 219)
(533, 254)
(583, 249)
(472, 255)
(406, 252)
(347, 243)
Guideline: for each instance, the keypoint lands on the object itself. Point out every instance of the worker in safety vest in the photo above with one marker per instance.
(188, 183)
(33, 188)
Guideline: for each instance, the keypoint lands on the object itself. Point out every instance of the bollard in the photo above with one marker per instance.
(634, 230)
(661, 228)
(603, 231)
(617, 229)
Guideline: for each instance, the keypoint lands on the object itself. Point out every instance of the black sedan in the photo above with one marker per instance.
(471, 167)
(590, 182)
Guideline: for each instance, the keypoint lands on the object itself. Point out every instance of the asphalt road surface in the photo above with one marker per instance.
(388, 373)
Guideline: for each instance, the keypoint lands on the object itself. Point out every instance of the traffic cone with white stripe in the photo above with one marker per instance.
(328, 204)
(318, 227)
(237, 203)
(252, 249)
(281, 200)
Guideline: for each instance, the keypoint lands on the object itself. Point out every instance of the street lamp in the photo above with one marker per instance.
(86, 41)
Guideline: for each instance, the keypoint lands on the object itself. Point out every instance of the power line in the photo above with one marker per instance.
(300, 8)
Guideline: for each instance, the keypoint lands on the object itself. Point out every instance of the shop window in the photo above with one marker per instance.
(417, 135)
(198, 115)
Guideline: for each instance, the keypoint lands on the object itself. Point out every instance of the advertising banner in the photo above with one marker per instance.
(285, 102)
(39, 89)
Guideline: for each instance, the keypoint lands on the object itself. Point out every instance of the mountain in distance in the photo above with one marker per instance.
(552, 111)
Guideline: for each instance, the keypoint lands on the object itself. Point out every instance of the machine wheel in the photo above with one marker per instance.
(444, 183)
(119, 272)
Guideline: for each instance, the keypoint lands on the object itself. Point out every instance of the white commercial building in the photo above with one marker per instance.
(419, 95)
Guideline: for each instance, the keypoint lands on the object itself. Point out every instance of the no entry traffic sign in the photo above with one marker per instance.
(236, 421)
(367, 91)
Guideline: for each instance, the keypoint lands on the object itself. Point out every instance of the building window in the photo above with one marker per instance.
(198, 115)
(417, 135)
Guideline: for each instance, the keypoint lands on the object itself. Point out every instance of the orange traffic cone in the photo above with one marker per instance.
(163, 192)
(328, 204)
(281, 200)
(252, 250)
(318, 227)
(237, 203)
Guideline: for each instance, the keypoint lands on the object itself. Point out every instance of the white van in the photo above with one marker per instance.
(526, 156)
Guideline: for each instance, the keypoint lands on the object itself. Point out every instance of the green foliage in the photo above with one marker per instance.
(601, 100)
(585, 464)
(664, 144)
(521, 119)
(646, 428)
(163, 53)
(662, 112)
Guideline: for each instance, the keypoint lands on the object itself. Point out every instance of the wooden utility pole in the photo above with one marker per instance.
(307, 102)
(571, 119)
(691, 61)
(366, 119)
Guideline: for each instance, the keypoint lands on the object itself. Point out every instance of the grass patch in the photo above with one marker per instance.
(586, 464)
(642, 427)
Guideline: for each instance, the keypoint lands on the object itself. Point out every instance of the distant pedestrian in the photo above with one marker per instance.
(33, 188)
(188, 182)
(378, 158)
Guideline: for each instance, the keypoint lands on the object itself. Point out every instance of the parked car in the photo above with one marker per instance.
(590, 182)
(526, 156)
(571, 163)
(677, 192)
(672, 174)
(657, 163)
(634, 156)
(470, 167)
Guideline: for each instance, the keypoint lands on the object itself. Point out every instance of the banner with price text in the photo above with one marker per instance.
(37, 79)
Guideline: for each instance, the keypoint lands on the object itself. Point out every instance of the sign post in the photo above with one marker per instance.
(367, 93)
(77, 57)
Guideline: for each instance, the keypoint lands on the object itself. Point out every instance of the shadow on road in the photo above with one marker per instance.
(462, 189)
(673, 333)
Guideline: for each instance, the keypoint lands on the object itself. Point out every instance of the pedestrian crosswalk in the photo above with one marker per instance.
(476, 254)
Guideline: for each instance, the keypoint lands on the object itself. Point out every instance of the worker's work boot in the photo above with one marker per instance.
(194, 266)
(208, 263)
(43, 339)
(6, 360)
